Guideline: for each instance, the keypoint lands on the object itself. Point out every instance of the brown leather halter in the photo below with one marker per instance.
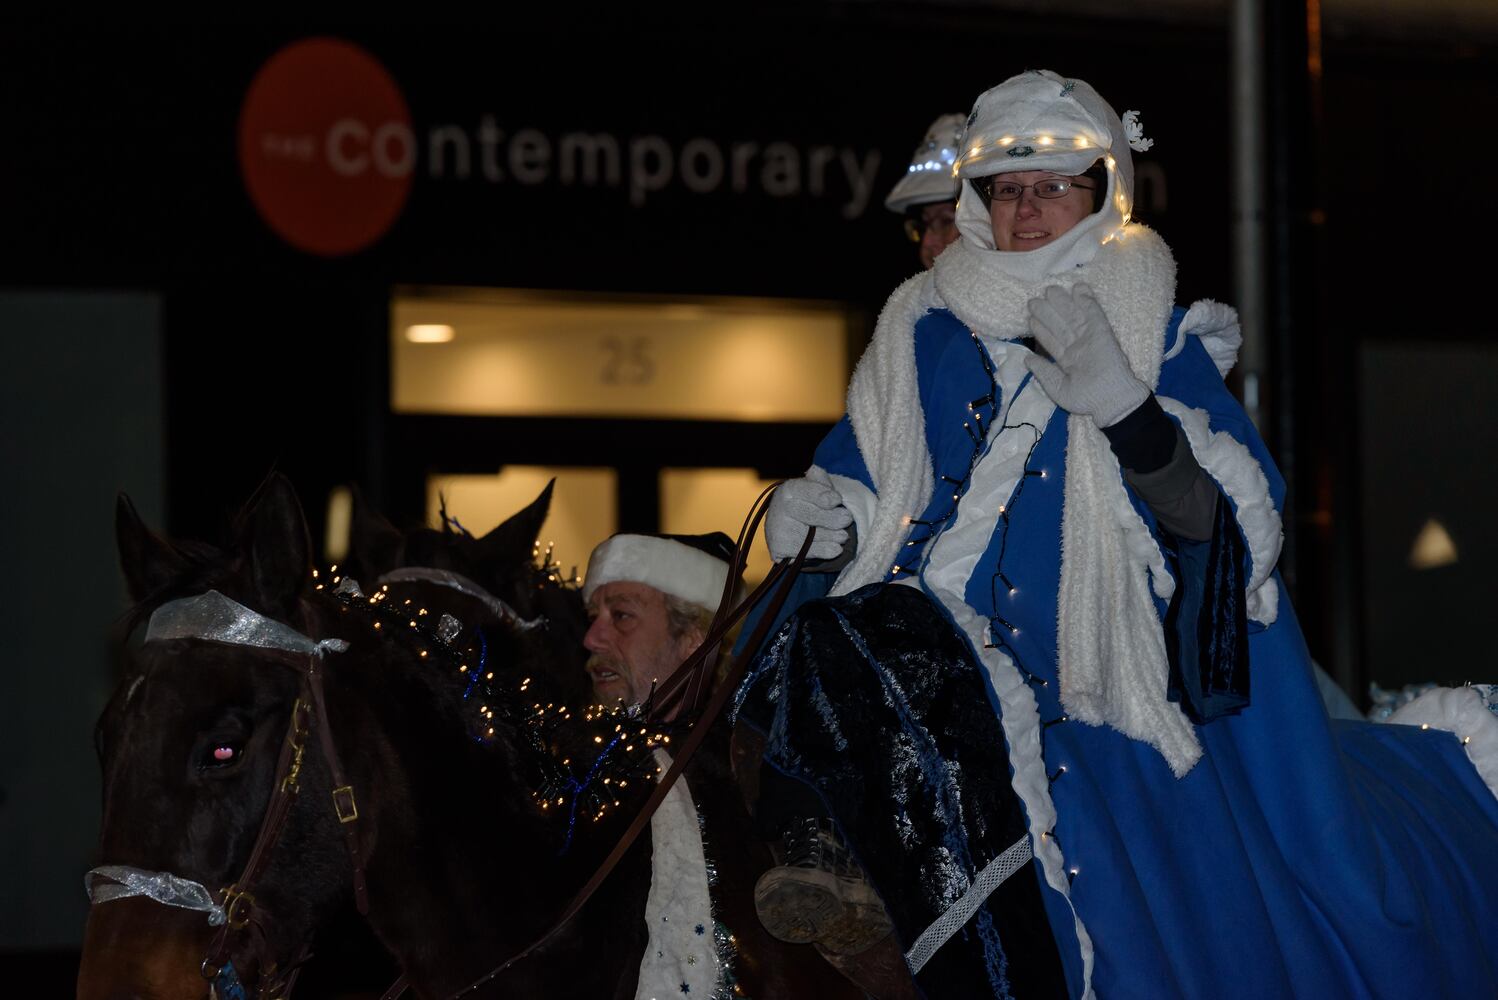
(243, 925)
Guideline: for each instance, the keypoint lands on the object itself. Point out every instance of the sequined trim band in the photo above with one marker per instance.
(990, 878)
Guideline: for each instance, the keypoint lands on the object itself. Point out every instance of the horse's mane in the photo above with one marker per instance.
(475, 670)
(507, 565)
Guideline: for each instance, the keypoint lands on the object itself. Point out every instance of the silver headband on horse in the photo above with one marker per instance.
(463, 585)
(215, 618)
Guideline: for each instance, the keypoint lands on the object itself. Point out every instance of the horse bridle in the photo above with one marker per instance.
(308, 712)
(213, 617)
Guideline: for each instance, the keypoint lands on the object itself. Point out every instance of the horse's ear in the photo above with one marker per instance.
(273, 534)
(150, 564)
(375, 545)
(515, 539)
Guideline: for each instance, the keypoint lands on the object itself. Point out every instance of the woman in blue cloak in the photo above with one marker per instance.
(1049, 691)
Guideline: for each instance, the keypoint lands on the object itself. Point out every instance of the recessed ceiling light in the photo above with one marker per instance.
(429, 333)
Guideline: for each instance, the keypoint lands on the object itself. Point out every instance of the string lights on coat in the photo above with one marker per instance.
(1000, 630)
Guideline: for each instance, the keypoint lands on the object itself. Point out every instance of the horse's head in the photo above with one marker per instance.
(454, 763)
(494, 580)
(189, 747)
(501, 561)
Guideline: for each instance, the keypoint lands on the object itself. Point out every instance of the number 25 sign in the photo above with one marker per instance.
(627, 361)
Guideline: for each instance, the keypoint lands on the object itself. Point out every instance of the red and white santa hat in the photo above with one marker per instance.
(691, 567)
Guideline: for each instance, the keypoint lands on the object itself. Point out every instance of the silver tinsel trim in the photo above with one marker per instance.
(110, 882)
(216, 618)
(725, 947)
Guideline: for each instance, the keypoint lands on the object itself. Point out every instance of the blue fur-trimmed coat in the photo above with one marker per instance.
(1299, 857)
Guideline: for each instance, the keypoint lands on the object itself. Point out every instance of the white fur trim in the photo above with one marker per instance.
(885, 410)
(666, 565)
(1216, 326)
(991, 301)
(1228, 461)
(679, 901)
(1019, 714)
(1110, 645)
(1462, 711)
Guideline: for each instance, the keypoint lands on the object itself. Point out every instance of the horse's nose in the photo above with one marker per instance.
(137, 949)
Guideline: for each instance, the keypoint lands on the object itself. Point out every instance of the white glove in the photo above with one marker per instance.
(799, 503)
(1090, 374)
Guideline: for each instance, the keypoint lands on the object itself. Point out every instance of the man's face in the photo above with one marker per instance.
(630, 642)
(938, 229)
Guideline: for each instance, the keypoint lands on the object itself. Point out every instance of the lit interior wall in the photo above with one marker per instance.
(505, 353)
(697, 501)
(582, 505)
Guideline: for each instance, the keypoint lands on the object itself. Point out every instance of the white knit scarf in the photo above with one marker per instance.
(1111, 647)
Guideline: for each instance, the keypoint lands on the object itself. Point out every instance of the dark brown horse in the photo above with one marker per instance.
(463, 868)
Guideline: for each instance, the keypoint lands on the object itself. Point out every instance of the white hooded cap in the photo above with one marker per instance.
(1040, 120)
(930, 177)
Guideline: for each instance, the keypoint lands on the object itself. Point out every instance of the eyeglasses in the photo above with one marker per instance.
(943, 226)
(992, 188)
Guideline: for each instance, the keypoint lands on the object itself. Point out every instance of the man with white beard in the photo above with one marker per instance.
(651, 599)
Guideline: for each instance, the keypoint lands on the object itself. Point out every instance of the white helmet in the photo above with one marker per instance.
(930, 177)
(1039, 120)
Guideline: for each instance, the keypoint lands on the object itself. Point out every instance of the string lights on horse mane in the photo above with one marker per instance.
(580, 761)
(583, 762)
(550, 570)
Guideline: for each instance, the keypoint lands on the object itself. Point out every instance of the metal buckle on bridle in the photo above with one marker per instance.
(237, 907)
(297, 737)
(300, 726)
(346, 813)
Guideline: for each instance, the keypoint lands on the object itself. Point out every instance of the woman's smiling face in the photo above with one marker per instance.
(1029, 222)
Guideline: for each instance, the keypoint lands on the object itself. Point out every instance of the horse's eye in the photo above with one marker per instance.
(221, 753)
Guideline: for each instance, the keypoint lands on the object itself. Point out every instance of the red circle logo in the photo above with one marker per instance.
(326, 146)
